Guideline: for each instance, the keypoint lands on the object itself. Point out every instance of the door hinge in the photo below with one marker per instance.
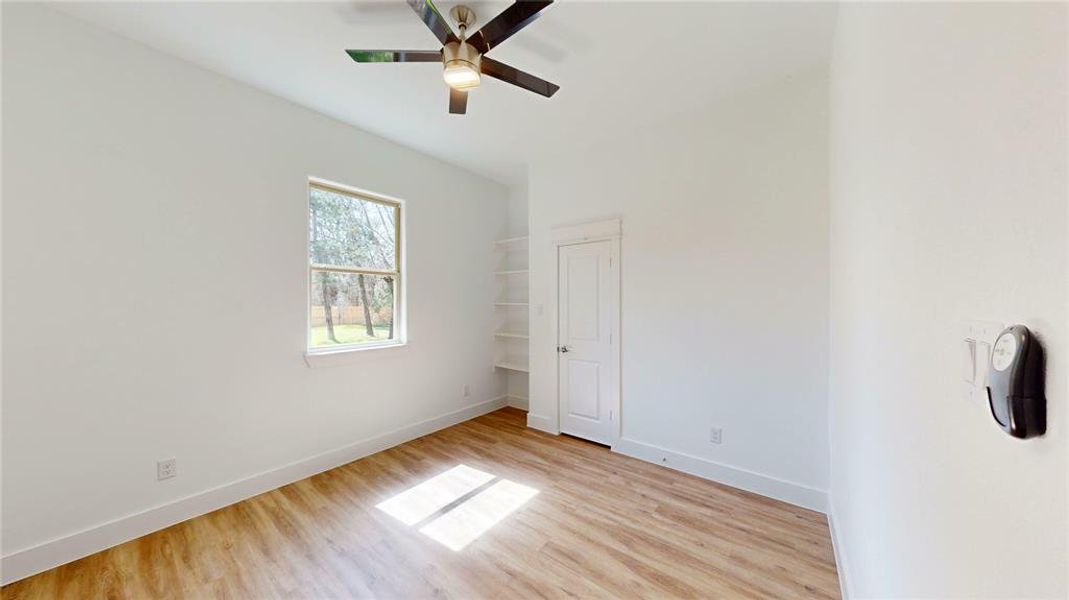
(610, 414)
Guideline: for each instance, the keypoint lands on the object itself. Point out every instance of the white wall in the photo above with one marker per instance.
(724, 284)
(517, 210)
(154, 281)
(949, 194)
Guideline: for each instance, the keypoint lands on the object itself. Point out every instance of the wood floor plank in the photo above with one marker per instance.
(601, 526)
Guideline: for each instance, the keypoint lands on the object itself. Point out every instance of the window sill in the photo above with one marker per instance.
(348, 356)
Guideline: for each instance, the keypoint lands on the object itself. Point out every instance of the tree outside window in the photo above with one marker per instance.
(354, 276)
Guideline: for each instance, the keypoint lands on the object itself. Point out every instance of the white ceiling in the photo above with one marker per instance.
(619, 64)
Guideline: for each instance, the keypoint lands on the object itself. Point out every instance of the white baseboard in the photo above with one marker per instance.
(23, 563)
(839, 547)
(542, 423)
(517, 401)
(766, 485)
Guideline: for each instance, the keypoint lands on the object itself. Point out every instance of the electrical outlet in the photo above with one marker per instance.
(166, 469)
(467, 390)
(716, 435)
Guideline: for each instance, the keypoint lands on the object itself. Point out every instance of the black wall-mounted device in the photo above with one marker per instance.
(1015, 383)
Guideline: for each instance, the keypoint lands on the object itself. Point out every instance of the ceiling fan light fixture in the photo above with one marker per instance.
(461, 75)
(461, 66)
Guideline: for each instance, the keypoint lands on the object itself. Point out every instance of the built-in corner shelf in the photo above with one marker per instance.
(512, 335)
(512, 366)
(511, 338)
(513, 241)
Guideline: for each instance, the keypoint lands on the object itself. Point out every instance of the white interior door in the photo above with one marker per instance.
(586, 365)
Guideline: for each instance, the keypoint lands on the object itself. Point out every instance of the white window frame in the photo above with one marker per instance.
(399, 309)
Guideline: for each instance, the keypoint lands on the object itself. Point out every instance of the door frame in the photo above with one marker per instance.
(608, 230)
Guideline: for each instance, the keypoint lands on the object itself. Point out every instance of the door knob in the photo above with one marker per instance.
(562, 349)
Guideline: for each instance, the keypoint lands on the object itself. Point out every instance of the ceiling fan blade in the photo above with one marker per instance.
(516, 77)
(514, 18)
(428, 13)
(395, 56)
(458, 102)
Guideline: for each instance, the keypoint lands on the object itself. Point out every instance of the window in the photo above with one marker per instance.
(354, 272)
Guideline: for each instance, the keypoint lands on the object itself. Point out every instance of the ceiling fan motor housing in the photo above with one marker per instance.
(463, 52)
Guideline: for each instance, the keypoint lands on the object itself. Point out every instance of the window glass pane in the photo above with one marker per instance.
(349, 232)
(348, 308)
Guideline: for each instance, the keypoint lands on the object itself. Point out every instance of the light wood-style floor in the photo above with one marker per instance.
(601, 526)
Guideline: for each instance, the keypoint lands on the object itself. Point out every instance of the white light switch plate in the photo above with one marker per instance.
(977, 338)
(968, 361)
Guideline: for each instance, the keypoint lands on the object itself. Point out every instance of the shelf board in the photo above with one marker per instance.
(512, 335)
(513, 272)
(512, 366)
(511, 304)
(512, 240)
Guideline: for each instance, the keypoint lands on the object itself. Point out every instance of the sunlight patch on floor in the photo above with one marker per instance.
(462, 525)
(465, 522)
(417, 503)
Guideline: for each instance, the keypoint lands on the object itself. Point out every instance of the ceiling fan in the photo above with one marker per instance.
(464, 56)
